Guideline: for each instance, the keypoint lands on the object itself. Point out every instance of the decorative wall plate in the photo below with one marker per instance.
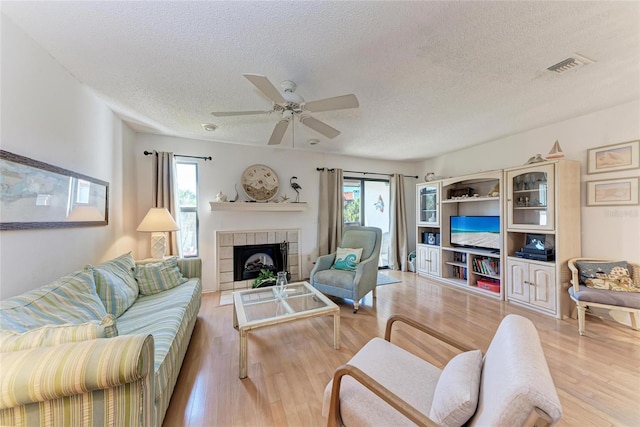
(260, 183)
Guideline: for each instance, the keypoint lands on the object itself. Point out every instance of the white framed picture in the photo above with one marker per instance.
(613, 192)
(615, 157)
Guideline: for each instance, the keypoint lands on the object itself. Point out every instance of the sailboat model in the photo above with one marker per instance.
(555, 152)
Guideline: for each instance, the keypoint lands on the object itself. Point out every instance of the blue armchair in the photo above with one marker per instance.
(351, 284)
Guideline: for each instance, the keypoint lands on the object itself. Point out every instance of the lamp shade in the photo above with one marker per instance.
(158, 219)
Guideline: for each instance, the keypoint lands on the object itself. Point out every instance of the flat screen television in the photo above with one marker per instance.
(481, 232)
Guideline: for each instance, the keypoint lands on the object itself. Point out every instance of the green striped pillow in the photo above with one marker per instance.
(159, 276)
(50, 335)
(69, 299)
(116, 284)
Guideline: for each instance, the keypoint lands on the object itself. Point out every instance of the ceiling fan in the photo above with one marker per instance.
(291, 105)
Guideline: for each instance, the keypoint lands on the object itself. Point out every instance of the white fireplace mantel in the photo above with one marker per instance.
(257, 207)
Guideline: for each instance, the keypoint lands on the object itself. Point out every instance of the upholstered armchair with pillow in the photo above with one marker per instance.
(385, 385)
(351, 272)
(607, 284)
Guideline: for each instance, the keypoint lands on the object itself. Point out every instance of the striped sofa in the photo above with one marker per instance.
(101, 346)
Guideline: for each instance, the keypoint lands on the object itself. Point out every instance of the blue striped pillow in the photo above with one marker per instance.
(70, 299)
(116, 284)
(159, 276)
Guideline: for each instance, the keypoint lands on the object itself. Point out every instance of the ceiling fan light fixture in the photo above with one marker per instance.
(209, 127)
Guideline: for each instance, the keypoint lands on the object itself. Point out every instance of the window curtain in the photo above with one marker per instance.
(398, 224)
(330, 211)
(164, 193)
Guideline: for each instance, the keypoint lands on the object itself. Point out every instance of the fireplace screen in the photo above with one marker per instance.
(248, 260)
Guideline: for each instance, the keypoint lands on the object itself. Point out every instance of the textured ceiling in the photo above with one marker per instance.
(431, 77)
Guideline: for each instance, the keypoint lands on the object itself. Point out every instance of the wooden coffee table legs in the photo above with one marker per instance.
(244, 338)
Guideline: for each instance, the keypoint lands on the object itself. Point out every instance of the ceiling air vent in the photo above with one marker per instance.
(575, 61)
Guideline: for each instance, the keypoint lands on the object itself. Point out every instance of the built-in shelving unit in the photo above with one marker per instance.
(257, 207)
(542, 234)
(476, 270)
(535, 203)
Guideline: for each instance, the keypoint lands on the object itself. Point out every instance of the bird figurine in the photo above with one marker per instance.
(296, 187)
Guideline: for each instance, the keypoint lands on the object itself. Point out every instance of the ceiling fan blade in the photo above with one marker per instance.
(266, 87)
(278, 132)
(238, 113)
(319, 126)
(335, 103)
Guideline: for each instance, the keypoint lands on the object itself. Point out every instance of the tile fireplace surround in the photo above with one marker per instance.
(226, 240)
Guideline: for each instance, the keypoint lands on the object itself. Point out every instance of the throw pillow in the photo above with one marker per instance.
(159, 276)
(116, 284)
(612, 276)
(456, 394)
(347, 258)
(69, 299)
(51, 335)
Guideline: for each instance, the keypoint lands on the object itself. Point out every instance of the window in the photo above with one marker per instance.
(187, 180)
(366, 202)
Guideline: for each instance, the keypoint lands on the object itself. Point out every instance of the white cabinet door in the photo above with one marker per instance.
(532, 284)
(433, 254)
(530, 198)
(422, 259)
(517, 278)
(428, 205)
(543, 286)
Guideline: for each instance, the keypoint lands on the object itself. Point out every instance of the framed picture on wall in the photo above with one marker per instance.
(615, 157)
(613, 192)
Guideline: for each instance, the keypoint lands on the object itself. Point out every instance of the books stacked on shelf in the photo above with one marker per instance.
(459, 272)
(460, 257)
(488, 266)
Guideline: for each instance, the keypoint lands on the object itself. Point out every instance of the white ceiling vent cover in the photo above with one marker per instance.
(575, 61)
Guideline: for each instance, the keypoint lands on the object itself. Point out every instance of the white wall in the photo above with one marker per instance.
(48, 116)
(221, 174)
(607, 232)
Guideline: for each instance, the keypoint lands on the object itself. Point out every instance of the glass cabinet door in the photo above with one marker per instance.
(530, 201)
(428, 204)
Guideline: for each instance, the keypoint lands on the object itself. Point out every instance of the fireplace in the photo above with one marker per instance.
(227, 240)
(248, 260)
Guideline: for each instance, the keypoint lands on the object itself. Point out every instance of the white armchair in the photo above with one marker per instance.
(386, 385)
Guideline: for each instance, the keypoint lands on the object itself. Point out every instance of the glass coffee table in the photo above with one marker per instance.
(257, 308)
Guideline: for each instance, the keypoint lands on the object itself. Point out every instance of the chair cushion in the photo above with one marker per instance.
(389, 365)
(335, 278)
(602, 296)
(116, 283)
(606, 275)
(347, 258)
(50, 335)
(159, 276)
(456, 394)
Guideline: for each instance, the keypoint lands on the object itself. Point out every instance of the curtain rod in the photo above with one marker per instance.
(148, 153)
(368, 173)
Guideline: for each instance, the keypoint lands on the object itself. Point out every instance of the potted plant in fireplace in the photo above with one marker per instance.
(265, 278)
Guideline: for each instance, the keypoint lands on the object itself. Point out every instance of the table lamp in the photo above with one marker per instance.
(158, 221)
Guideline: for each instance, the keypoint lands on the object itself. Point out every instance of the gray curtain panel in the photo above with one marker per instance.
(398, 225)
(164, 192)
(330, 211)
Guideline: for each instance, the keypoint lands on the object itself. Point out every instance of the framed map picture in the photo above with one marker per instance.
(612, 158)
(35, 194)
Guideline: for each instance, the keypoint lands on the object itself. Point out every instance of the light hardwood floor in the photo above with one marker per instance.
(597, 375)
